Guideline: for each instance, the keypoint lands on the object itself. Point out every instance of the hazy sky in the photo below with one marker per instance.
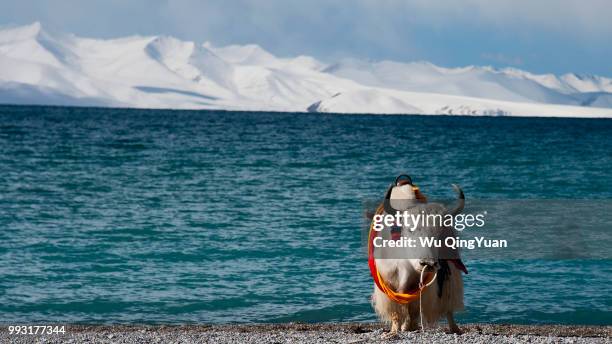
(541, 36)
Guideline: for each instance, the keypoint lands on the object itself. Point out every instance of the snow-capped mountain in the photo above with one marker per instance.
(39, 67)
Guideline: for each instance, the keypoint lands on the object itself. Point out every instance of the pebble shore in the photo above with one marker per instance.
(313, 333)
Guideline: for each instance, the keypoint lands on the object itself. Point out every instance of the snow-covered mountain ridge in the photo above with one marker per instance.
(39, 67)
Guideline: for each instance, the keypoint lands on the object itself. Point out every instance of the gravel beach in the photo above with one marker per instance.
(313, 333)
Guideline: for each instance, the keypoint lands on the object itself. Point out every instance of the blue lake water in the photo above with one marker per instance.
(114, 215)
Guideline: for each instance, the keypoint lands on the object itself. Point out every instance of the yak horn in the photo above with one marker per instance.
(460, 203)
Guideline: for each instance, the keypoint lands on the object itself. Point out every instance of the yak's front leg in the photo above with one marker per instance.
(395, 327)
(452, 325)
(412, 321)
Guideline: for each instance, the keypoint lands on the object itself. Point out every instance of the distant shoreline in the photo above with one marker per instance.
(320, 333)
(285, 112)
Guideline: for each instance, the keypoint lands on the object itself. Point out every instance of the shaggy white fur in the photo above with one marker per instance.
(403, 275)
